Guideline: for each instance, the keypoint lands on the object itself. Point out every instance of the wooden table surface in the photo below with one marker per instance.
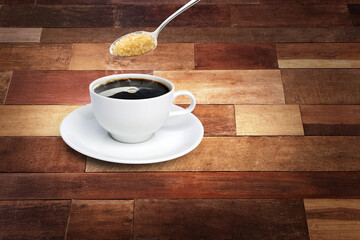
(278, 91)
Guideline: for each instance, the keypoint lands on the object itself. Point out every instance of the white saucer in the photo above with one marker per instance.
(178, 136)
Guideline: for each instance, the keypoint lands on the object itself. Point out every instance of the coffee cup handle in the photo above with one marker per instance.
(187, 110)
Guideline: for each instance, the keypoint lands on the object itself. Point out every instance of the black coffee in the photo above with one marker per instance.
(132, 88)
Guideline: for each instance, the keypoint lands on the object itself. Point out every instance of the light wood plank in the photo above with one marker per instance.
(18, 35)
(290, 15)
(5, 78)
(35, 56)
(321, 86)
(219, 219)
(331, 119)
(228, 87)
(100, 219)
(167, 56)
(318, 55)
(179, 185)
(33, 219)
(33, 120)
(39, 154)
(206, 35)
(256, 154)
(333, 219)
(268, 120)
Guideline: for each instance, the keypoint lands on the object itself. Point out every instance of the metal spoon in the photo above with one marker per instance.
(156, 33)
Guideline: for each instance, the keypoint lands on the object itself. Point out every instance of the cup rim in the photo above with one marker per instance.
(98, 81)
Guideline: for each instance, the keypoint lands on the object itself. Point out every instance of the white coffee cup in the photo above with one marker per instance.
(135, 120)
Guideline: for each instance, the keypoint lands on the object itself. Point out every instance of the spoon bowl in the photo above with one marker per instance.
(155, 33)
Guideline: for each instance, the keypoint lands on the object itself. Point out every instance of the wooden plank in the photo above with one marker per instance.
(167, 56)
(14, 35)
(142, 2)
(292, 15)
(54, 87)
(30, 2)
(228, 87)
(56, 16)
(256, 154)
(333, 218)
(33, 219)
(35, 57)
(167, 185)
(321, 86)
(354, 10)
(218, 120)
(154, 15)
(331, 119)
(39, 154)
(100, 219)
(310, 1)
(318, 55)
(206, 35)
(219, 219)
(235, 56)
(33, 120)
(268, 120)
(5, 78)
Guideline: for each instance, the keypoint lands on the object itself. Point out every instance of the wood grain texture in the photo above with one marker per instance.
(218, 120)
(235, 56)
(179, 185)
(354, 10)
(33, 219)
(333, 218)
(256, 154)
(30, 2)
(321, 86)
(268, 120)
(154, 15)
(167, 56)
(292, 15)
(228, 86)
(206, 34)
(100, 219)
(54, 87)
(331, 119)
(310, 1)
(219, 219)
(14, 35)
(318, 55)
(5, 78)
(56, 16)
(33, 120)
(142, 2)
(35, 57)
(39, 154)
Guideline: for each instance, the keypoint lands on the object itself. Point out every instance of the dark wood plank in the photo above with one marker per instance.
(166, 185)
(56, 16)
(333, 219)
(23, 2)
(206, 35)
(5, 78)
(243, 154)
(154, 15)
(35, 57)
(292, 15)
(220, 219)
(354, 10)
(321, 86)
(318, 55)
(331, 119)
(100, 219)
(33, 219)
(141, 2)
(39, 154)
(310, 1)
(235, 56)
(54, 87)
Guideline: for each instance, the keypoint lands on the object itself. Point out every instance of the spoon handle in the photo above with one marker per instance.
(174, 15)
